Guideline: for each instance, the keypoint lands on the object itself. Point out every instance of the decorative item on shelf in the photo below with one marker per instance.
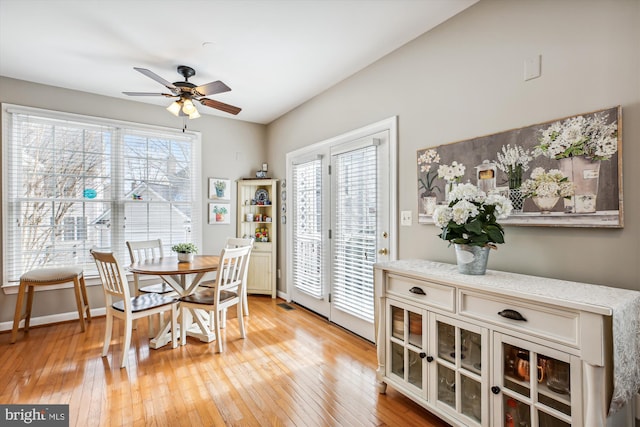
(262, 173)
(469, 221)
(486, 176)
(514, 161)
(545, 204)
(546, 188)
(428, 196)
(262, 234)
(452, 174)
(262, 197)
(249, 217)
(185, 251)
(579, 144)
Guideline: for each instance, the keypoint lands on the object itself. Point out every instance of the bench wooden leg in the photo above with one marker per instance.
(18, 314)
(27, 315)
(83, 288)
(76, 287)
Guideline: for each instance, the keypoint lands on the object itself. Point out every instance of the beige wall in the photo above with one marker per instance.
(465, 79)
(230, 149)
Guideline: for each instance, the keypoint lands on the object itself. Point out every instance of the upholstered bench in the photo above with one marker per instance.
(47, 277)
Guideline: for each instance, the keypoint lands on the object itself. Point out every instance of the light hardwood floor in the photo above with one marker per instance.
(293, 369)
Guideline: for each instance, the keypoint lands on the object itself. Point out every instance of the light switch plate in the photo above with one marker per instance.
(405, 218)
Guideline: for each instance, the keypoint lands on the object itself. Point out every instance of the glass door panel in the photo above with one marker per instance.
(397, 359)
(415, 369)
(471, 351)
(554, 383)
(517, 413)
(516, 369)
(446, 342)
(471, 398)
(397, 327)
(447, 386)
(415, 329)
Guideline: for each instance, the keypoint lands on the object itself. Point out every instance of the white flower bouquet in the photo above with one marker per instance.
(451, 173)
(590, 136)
(547, 184)
(514, 161)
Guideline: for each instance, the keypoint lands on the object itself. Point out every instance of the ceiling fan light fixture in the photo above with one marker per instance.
(175, 108)
(194, 115)
(188, 107)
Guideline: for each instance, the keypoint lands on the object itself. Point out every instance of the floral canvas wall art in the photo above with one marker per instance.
(583, 151)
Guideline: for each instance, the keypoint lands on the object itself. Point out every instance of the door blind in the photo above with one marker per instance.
(307, 227)
(354, 240)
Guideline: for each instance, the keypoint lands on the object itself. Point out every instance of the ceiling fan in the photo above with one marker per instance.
(187, 92)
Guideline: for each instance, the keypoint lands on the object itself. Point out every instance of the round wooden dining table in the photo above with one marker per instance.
(184, 278)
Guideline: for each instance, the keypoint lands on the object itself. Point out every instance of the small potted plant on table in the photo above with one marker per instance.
(185, 251)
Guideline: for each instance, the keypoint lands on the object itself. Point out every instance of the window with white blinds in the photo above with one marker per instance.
(354, 231)
(307, 227)
(72, 183)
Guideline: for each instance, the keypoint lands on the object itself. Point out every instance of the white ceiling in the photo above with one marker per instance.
(274, 54)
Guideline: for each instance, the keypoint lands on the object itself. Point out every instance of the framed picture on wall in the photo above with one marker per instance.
(563, 173)
(219, 189)
(219, 213)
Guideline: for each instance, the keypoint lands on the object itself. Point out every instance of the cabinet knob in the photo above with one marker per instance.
(495, 389)
(511, 314)
(383, 251)
(430, 359)
(417, 290)
(422, 355)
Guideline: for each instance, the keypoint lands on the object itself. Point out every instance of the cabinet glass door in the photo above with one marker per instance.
(461, 352)
(536, 384)
(407, 342)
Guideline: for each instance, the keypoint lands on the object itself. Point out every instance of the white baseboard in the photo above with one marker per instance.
(53, 318)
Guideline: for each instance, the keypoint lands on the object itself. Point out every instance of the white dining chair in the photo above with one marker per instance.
(120, 304)
(237, 242)
(226, 292)
(142, 250)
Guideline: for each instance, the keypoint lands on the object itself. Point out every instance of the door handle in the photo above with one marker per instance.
(383, 251)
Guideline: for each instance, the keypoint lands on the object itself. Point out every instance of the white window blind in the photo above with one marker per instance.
(354, 234)
(72, 183)
(307, 227)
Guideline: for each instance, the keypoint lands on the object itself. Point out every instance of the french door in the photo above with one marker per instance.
(342, 210)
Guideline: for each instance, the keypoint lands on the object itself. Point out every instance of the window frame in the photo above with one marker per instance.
(119, 131)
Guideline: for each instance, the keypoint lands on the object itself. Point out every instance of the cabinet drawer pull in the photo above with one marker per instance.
(422, 355)
(429, 359)
(417, 290)
(495, 389)
(512, 314)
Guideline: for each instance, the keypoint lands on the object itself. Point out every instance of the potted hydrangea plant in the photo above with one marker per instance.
(470, 222)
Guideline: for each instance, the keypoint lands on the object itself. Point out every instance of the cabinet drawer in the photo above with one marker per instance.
(547, 322)
(435, 295)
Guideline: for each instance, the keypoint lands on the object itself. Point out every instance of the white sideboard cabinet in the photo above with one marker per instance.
(504, 349)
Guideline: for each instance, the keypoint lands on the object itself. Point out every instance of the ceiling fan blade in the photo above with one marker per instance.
(157, 78)
(220, 106)
(212, 88)
(148, 94)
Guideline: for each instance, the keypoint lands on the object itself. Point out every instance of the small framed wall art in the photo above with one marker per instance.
(219, 189)
(219, 213)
